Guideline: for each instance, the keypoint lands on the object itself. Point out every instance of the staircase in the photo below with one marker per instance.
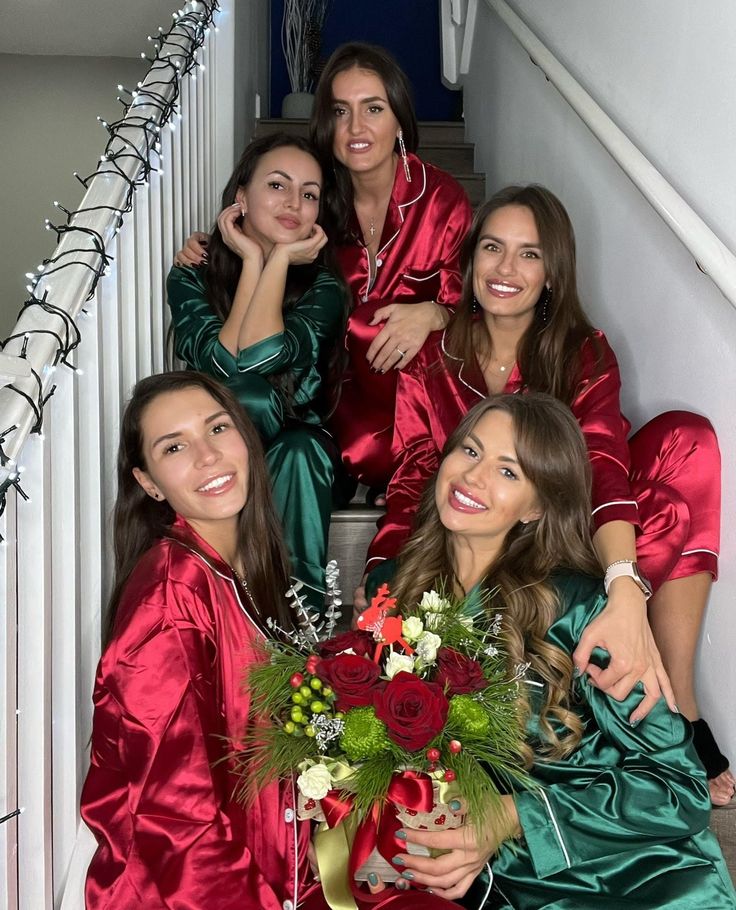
(442, 144)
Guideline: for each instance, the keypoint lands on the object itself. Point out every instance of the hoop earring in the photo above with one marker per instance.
(402, 152)
(545, 304)
(475, 306)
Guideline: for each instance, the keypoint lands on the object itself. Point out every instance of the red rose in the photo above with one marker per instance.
(360, 642)
(353, 678)
(413, 710)
(458, 674)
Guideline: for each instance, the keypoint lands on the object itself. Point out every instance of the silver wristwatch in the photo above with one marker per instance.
(629, 568)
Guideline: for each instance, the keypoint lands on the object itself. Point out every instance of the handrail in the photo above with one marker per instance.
(712, 256)
(46, 331)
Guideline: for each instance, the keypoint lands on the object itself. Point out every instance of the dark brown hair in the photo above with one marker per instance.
(139, 521)
(338, 185)
(548, 354)
(223, 271)
(552, 454)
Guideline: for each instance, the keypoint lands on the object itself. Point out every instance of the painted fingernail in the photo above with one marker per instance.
(455, 805)
(577, 673)
(402, 884)
(372, 879)
(401, 834)
(381, 371)
(409, 875)
(676, 709)
(634, 723)
(398, 861)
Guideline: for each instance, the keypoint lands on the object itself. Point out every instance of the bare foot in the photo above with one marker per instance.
(722, 788)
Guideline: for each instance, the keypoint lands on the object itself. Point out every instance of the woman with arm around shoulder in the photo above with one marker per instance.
(265, 316)
(656, 498)
(618, 814)
(199, 568)
(398, 224)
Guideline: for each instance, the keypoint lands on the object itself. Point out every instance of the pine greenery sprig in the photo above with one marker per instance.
(271, 756)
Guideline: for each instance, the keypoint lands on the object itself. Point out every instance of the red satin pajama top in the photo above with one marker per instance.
(418, 260)
(169, 690)
(665, 480)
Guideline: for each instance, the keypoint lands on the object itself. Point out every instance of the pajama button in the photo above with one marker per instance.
(288, 905)
(379, 263)
(289, 815)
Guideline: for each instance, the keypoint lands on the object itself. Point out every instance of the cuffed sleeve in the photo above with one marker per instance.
(597, 408)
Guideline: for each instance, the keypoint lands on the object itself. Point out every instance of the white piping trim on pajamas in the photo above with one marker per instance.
(616, 502)
(700, 550)
(557, 829)
(259, 364)
(216, 364)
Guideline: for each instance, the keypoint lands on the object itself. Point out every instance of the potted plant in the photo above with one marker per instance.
(301, 40)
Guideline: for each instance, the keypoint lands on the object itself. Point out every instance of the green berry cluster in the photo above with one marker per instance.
(310, 697)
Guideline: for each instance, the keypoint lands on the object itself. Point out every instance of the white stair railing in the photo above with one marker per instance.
(712, 256)
(85, 342)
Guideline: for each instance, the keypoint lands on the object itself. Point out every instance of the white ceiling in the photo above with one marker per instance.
(92, 28)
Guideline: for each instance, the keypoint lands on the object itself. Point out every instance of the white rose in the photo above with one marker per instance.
(412, 628)
(431, 600)
(314, 782)
(397, 663)
(427, 646)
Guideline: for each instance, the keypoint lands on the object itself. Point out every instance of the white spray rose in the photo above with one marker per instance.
(397, 663)
(412, 628)
(431, 601)
(427, 646)
(314, 782)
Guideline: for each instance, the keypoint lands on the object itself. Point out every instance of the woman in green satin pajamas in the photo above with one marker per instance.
(264, 316)
(616, 814)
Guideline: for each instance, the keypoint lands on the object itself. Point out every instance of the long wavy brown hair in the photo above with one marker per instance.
(139, 521)
(549, 352)
(338, 190)
(552, 454)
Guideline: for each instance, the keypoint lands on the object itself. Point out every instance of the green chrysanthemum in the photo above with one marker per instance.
(467, 716)
(364, 735)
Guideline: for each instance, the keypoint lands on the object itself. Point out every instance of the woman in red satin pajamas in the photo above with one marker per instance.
(398, 225)
(656, 497)
(194, 584)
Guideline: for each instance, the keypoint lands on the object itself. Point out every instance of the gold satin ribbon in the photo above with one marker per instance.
(332, 846)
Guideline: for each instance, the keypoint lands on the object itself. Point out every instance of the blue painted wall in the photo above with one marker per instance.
(408, 28)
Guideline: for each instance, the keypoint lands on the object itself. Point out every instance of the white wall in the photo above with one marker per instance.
(661, 70)
(48, 111)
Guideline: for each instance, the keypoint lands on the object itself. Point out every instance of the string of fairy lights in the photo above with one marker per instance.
(132, 154)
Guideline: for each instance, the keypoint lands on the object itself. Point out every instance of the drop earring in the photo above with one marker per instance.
(475, 306)
(402, 152)
(544, 303)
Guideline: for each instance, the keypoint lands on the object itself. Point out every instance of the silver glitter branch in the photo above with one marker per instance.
(334, 601)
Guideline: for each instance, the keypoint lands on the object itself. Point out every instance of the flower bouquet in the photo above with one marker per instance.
(385, 726)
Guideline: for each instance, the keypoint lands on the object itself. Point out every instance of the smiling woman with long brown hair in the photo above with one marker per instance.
(199, 569)
(617, 813)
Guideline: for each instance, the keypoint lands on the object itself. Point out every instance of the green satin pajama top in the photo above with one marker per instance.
(622, 822)
(311, 327)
